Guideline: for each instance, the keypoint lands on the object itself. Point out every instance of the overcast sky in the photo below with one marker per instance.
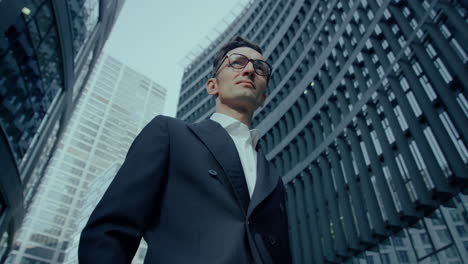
(154, 36)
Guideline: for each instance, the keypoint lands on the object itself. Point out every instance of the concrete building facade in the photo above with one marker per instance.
(365, 118)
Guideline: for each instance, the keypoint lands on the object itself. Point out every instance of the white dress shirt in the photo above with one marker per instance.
(245, 141)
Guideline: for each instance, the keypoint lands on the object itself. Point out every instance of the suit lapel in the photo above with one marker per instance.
(223, 149)
(267, 180)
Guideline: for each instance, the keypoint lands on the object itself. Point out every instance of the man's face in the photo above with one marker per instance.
(240, 89)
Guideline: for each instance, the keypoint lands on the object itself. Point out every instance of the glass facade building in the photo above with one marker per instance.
(114, 106)
(366, 119)
(96, 190)
(47, 48)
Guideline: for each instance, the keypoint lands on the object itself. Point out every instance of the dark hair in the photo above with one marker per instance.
(235, 42)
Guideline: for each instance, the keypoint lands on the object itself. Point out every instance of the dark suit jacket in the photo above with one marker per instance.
(176, 190)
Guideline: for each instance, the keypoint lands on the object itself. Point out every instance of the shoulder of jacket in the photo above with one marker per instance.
(169, 120)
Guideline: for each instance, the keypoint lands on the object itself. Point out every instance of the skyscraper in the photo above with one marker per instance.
(365, 118)
(116, 103)
(97, 188)
(47, 50)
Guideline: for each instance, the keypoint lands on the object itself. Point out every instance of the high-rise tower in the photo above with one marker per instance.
(47, 51)
(116, 103)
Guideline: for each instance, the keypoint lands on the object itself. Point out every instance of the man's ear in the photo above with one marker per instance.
(212, 87)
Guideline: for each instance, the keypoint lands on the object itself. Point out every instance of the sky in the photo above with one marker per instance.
(154, 37)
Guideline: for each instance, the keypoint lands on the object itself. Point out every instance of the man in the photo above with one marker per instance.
(198, 193)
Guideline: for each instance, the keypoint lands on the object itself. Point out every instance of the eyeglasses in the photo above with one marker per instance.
(239, 62)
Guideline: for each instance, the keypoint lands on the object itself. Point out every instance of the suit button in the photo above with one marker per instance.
(213, 172)
(271, 239)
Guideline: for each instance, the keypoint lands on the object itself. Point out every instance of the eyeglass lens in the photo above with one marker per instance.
(239, 61)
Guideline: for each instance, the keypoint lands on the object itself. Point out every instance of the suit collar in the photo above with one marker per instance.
(221, 146)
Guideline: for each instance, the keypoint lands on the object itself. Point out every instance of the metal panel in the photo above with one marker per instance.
(312, 209)
(293, 223)
(304, 231)
(345, 214)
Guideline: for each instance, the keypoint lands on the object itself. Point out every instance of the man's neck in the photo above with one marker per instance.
(244, 117)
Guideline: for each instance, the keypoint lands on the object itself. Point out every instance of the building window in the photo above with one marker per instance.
(3, 243)
(461, 230)
(443, 236)
(465, 244)
(84, 17)
(39, 252)
(385, 258)
(402, 256)
(437, 151)
(26, 260)
(443, 70)
(425, 238)
(454, 136)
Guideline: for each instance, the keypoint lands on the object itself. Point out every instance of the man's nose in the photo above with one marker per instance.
(248, 69)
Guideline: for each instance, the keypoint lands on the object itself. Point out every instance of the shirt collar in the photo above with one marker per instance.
(234, 126)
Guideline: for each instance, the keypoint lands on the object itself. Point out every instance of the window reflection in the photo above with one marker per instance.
(84, 16)
(44, 19)
(30, 75)
(82, 76)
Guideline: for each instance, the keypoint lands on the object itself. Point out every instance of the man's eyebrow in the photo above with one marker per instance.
(227, 54)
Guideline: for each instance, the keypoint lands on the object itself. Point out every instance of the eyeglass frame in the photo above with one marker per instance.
(250, 60)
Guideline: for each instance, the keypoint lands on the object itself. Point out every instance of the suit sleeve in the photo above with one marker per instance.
(115, 227)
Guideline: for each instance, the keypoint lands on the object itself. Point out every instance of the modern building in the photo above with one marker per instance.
(114, 106)
(366, 119)
(96, 190)
(47, 49)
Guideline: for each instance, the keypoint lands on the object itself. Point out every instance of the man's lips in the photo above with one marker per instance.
(247, 82)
